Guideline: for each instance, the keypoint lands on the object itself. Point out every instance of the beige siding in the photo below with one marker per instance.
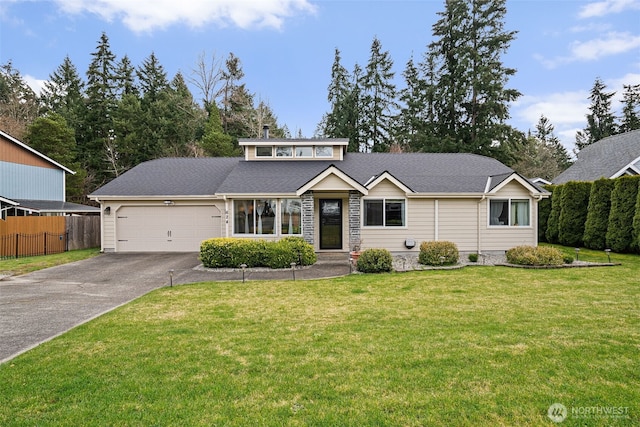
(332, 183)
(458, 222)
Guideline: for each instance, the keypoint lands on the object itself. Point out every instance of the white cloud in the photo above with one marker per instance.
(612, 43)
(562, 108)
(149, 15)
(607, 7)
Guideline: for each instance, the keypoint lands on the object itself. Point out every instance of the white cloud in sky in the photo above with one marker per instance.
(148, 15)
(562, 108)
(612, 43)
(607, 7)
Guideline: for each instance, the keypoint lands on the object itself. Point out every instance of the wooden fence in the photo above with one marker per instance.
(43, 235)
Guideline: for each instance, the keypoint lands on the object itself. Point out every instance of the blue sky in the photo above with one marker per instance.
(287, 46)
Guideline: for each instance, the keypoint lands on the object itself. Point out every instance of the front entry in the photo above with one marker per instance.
(330, 224)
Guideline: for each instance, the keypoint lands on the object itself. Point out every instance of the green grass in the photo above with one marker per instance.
(477, 346)
(28, 264)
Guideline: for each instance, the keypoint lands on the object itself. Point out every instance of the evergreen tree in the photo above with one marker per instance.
(52, 137)
(630, 108)
(234, 96)
(379, 94)
(554, 217)
(544, 132)
(412, 122)
(595, 227)
(471, 97)
(623, 203)
(573, 213)
(337, 121)
(600, 120)
(536, 159)
(98, 128)
(215, 142)
(126, 77)
(63, 94)
(185, 119)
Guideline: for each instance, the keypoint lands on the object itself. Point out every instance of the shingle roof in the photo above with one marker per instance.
(603, 158)
(422, 172)
(55, 206)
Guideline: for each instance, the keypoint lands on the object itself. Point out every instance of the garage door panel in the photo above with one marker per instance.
(166, 228)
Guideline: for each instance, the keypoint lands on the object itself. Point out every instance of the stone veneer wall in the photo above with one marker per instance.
(354, 219)
(307, 217)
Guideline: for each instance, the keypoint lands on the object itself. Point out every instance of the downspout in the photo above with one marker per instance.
(436, 221)
(479, 240)
(226, 215)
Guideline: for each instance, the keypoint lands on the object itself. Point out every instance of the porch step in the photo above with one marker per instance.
(333, 256)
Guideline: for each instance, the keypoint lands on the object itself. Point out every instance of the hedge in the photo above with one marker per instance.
(544, 210)
(233, 252)
(573, 213)
(623, 206)
(554, 216)
(530, 255)
(635, 241)
(595, 227)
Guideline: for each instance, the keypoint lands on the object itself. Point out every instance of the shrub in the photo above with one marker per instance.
(567, 259)
(554, 216)
(233, 252)
(623, 205)
(473, 257)
(375, 261)
(635, 241)
(595, 227)
(531, 255)
(573, 213)
(544, 210)
(432, 252)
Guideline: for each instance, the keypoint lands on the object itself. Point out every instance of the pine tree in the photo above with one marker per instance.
(337, 121)
(185, 119)
(472, 100)
(232, 94)
(98, 128)
(379, 94)
(215, 142)
(18, 102)
(414, 119)
(630, 108)
(63, 94)
(544, 132)
(600, 120)
(126, 77)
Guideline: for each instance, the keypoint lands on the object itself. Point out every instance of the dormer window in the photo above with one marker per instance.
(262, 151)
(304, 151)
(284, 151)
(324, 151)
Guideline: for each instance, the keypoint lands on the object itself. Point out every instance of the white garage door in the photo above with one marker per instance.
(166, 228)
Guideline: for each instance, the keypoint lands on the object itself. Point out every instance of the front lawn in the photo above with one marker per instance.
(477, 346)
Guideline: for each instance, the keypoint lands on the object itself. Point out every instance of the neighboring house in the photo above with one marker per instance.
(539, 181)
(32, 183)
(314, 189)
(611, 157)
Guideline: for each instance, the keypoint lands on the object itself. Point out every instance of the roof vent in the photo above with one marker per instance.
(265, 132)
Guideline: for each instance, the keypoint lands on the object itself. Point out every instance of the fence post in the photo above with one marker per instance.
(45, 242)
(17, 244)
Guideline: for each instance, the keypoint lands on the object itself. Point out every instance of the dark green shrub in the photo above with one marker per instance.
(375, 261)
(595, 227)
(567, 259)
(473, 257)
(623, 205)
(282, 253)
(438, 253)
(531, 255)
(554, 215)
(233, 252)
(544, 210)
(635, 241)
(573, 213)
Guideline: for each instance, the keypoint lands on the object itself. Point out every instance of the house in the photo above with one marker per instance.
(32, 183)
(314, 189)
(611, 157)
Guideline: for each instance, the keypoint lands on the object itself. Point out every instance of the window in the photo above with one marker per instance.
(304, 151)
(285, 151)
(384, 213)
(254, 216)
(324, 151)
(264, 151)
(291, 216)
(514, 212)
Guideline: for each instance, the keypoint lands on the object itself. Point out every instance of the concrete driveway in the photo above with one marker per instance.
(39, 306)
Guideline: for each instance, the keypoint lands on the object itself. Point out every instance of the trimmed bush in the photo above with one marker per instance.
(432, 252)
(375, 261)
(554, 216)
(473, 257)
(233, 252)
(573, 213)
(531, 255)
(544, 210)
(623, 206)
(595, 227)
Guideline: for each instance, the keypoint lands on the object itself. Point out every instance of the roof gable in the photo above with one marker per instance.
(496, 183)
(341, 181)
(33, 152)
(386, 176)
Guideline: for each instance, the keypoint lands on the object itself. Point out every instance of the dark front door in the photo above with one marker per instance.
(330, 224)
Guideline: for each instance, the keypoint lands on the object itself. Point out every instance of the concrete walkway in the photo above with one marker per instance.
(39, 306)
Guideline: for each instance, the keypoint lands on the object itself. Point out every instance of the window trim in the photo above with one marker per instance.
(291, 150)
(384, 225)
(277, 223)
(315, 151)
(509, 201)
(295, 151)
(270, 156)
